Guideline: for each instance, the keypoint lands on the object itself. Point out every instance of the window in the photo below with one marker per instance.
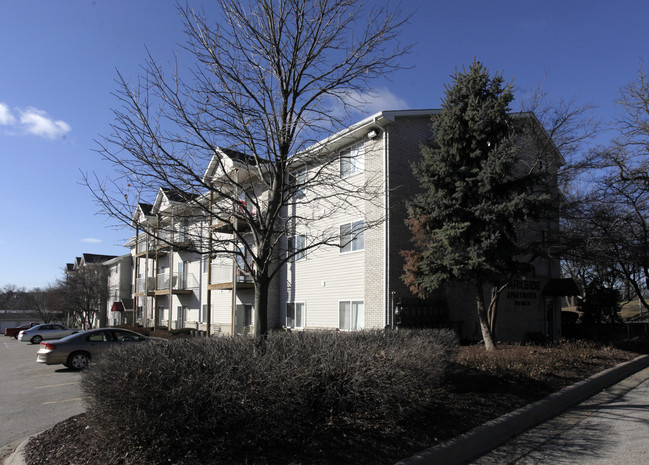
(295, 315)
(245, 312)
(203, 315)
(296, 246)
(123, 336)
(298, 180)
(100, 336)
(351, 315)
(352, 161)
(352, 236)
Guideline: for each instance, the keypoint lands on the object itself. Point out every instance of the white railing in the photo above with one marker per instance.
(223, 274)
(180, 282)
(141, 284)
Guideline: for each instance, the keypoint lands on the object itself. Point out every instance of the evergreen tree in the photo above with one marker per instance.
(473, 200)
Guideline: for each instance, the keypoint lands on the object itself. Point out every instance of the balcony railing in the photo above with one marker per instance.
(180, 282)
(141, 245)
(141, 284)
(223, 274)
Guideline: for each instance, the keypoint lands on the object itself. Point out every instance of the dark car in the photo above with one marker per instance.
(77, 350)
(14, 331)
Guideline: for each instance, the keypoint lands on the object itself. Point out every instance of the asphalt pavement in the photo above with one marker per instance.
(34, 396)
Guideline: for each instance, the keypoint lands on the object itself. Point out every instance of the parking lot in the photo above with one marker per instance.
(34, 396)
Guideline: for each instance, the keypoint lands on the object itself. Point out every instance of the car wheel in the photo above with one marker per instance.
(78, 360)
(36, 340)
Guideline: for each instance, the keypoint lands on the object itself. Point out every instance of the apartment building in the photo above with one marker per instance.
(119, 305)
(340, 259)
(116, 306)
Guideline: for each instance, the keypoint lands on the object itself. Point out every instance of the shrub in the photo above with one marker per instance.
(200, 395)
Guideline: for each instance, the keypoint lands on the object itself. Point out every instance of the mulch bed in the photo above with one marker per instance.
(468, 398)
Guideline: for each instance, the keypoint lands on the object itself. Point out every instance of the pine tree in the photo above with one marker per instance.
(465, 221)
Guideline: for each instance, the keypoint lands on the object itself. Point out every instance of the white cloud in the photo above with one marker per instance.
(379, 100)
(38, 123)
(6, 118)
(368, 103)
(91, 240)
(31, 121)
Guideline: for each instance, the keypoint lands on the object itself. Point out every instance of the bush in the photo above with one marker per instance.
(203, 395)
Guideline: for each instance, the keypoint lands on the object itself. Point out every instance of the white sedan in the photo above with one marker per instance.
(46, 332)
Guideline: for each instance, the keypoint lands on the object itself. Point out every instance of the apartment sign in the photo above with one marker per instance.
(523, 291)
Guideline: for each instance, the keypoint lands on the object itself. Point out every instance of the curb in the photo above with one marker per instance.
(17, 456)
(492, 434)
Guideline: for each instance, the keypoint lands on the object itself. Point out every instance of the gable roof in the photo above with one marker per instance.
(173, 197)
(226, 160)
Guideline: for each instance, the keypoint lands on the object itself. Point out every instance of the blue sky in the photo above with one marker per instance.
(58, 62)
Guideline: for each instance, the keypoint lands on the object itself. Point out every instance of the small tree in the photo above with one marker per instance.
(601, 304)
(466, 220)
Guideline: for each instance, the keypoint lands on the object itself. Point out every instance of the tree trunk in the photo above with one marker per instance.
(482, 316)
(262, 284)
(492, 312)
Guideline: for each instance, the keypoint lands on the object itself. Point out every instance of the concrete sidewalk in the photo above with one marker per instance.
(484, 438)
(489, 436)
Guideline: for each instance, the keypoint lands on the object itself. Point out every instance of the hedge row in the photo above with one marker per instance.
(198, 396)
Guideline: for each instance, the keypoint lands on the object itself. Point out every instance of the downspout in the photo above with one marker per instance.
(135, 271)
(208, 316)
(156, 272)
(234, 248)
(171, 266)
(146, 282)
(388, 297)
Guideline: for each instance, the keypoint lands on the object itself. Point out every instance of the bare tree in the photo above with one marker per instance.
(571, 128)
(85, 291)
(46, 303)
(13, 297)
(608, 231)
(267, 81)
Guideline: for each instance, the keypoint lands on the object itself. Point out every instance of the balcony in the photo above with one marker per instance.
(180, 283)
(239, 210)
(144, 286)
(221, 278)
(141, 249)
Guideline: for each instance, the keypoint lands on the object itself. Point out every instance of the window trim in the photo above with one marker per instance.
(351, 302)
(298, 178)
(291, 247)
(355, 238)
(297, 302)
(356, 162)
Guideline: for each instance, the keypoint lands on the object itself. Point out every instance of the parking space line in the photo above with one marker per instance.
(54, 385)
(61, 401)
